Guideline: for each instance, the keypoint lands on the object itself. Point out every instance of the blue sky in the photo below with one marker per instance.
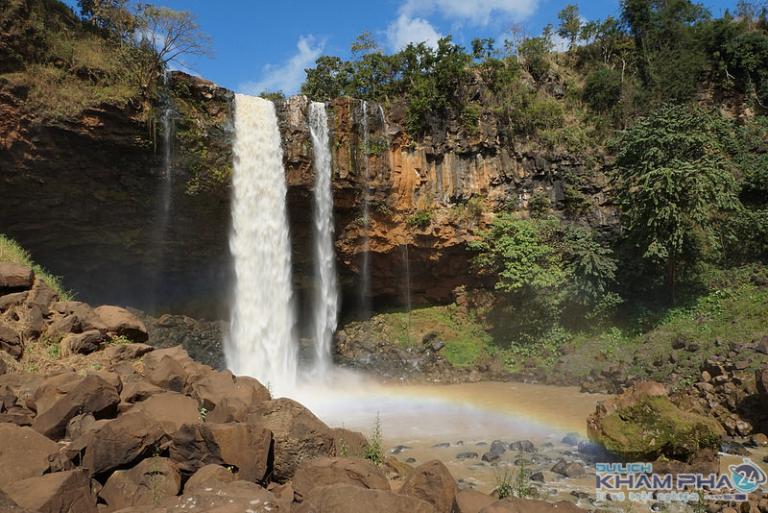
(266, 44)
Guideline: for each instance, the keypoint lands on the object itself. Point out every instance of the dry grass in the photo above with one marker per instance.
(11, 251)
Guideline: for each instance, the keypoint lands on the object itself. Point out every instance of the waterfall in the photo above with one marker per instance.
(407, 276)
(326, 301)
(168, 129)
(261, 342)
(365, 267)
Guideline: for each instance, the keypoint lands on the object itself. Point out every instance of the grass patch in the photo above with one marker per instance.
(11, 251)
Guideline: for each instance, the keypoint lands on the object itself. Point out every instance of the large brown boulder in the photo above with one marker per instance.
(86, 342)
(60, 492)
(10, 341)
(85, 318)
(24, 453)
(90, 395)
(148, 483)
(329, 471)
(432, 482)
(170, 409)
(172, 369)
(235, 395)
(247, 447)
(472, 501)
(345, 498)
(15, 276)
(299, 435)
(53, 388)
(514, 505)
(642, 424)
(136, 388)
(121, 322)
(118, 443)
(207, 477)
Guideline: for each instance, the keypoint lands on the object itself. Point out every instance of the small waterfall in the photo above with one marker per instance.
(261, 342)
(168, 133)
(365, 267)
(326, 300)
(407, 273)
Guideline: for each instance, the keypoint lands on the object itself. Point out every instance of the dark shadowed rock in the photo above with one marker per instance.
(90, 395)
(328, 471)
(148, 483)
(60, 492)
(522, 446)
(299, 435)
(10, 341)
(121, 322)
(24, 453)
(247, 447)
(568, 468)
(344, 498)
(432, 482)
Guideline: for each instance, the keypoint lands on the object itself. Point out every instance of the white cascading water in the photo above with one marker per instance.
(261, 342)
(326, 299)
(365, 271)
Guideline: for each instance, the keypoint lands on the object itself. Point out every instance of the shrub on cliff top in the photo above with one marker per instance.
(11, 251)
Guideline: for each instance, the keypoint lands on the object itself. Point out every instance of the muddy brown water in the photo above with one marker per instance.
(423, 422)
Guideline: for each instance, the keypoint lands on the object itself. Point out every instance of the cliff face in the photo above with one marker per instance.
(87, 195)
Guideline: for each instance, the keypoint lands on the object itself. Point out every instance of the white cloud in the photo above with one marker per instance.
(406, 30)
(479, 12)
(288, 77)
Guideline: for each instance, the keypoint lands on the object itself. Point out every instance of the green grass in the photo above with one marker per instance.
(11, 251)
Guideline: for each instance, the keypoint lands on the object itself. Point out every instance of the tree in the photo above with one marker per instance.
(535, 52)
(673, 177)
(570, 25)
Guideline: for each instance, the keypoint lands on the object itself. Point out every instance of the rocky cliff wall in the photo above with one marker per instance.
(85, 196)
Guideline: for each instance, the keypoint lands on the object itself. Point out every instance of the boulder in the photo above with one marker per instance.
(642, 424)
(62, 326)
(172, 368)
(117, 444)
(247, 447)
(761, 380)
(148, 483)
(345, 498)
(90, 395)
(522, 446)
(568, 468)
(239, 394)
(299, 435)
(32, 322)
(24, 453)
(120, 322)
(126, 352)
(329, 471)
(498, 448)
(432, 482)
(86, 342)
(10, 341)
(15, 276)
(349, 443)
(53, 388)
(234, 497)
(8, 301)
(60, 492)
(514, 505)
(79, 425)
(170, 410)
(472, 501)
(207, 477)
(8, 506)
(136, 388)
(42, 296)
(85, 318)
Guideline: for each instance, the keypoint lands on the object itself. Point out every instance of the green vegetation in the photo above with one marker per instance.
(11, 251)
(420, 219)
(374, 451)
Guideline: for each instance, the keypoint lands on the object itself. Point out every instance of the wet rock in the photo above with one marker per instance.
(148, 483)
(467, 456)
(572, 439)
(432, 482)
(498, 448)
(345, 498)
(537, 477)
(330, 471)
(398, 449)
(731, 447)
(522, 446)
(60, 492)
(568, 469)
(442, 445)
